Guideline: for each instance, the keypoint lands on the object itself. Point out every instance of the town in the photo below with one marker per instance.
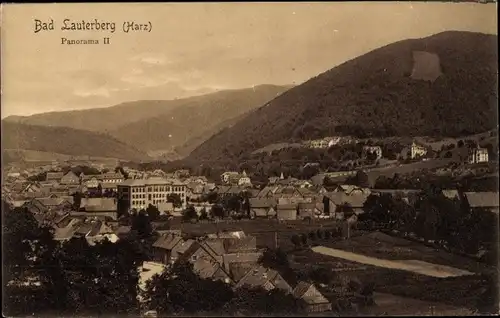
(317, 240)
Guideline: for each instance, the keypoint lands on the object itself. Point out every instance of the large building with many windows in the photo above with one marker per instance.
(139, 193)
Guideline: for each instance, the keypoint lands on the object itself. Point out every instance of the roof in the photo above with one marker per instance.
(355, 200)
(261, 202)
(482, 199)
(301, 290)
(257, 277)
(450, 194)
(151, 181)
(214, 246)
(238, 270)
(167, 242)
(54, 175)
(252, 257)
(98, 204)
(282, 207)
(52, 202)
(239, 245)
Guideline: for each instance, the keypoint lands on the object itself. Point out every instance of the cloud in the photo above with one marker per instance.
(150, 59)
(102, 91)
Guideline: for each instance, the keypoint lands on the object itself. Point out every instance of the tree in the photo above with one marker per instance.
(296, 240)
(203, 214)
(175, 199)
(189, 214)
(152, 212)
(212, 197)
(304, 238)
(181, 291)
(27, 248)
(312, 235)
(320, 234)
(217, 211)
(141, 224)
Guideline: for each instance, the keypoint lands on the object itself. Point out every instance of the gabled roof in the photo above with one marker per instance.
(301, 290)
(167, 242)
(482, 199)
(240, 245)
(282, 207)
(54, 175)
(52, 202)
(355, 200)
(98, 204)
(261, 202)
(257, 277)
(214, 246)
(451, 194)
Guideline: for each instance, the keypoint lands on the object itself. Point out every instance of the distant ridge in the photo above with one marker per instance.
(375, 95)
(63, 140)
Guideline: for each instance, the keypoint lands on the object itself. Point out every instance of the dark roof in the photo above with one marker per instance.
(261, 202)
(482, 199)
(238, 245)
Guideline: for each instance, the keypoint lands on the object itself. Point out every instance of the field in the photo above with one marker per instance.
(398, 306)
(459, 291)
(267, 232)
(419, 267)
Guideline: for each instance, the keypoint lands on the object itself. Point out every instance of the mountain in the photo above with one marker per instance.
(63, 140)
(100, 119)
(441, 85)
(198, 118)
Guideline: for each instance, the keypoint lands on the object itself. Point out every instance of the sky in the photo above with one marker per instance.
(197, 48)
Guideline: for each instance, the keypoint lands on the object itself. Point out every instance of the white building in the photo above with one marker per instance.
(417, 151)
(139, 193)
(478, 155)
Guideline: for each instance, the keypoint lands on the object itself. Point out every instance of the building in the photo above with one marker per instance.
(417, 151)
(140, 193)
(54, 176)
(315, 301)
(478, 155)
(226, 176)
(70, 178)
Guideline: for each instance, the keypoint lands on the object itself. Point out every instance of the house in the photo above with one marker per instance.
(339, 205)
(351, 189)
(100, 231)
(62, 234)
(226, 176)
(54, 203)
(162, 248)
(99, 207)
(262, 207)
(70, 178)
(477, 155)
(90, 181)
(286, 211)
(313, 298)
(310, 210)
(207, 261)
(417, 150)
(54, 176)
(376, 150)
(265, 278)
(483, 200)
(112, 177)
(194, 190)
(451, 194)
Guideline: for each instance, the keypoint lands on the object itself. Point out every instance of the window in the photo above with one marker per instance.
(193, 258)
